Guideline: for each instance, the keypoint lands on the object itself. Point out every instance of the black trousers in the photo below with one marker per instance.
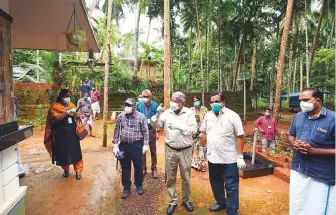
(132, 153)
(225, 177)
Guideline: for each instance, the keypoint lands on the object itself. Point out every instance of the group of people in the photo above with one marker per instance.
(220, 133)
(89, 92)
(187, 131)
(311, 136)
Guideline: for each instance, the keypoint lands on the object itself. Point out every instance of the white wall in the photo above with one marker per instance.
(4, 5)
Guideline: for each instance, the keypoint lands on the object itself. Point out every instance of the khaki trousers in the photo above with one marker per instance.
(181, 159)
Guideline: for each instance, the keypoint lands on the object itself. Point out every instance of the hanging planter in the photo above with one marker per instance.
(76, 37)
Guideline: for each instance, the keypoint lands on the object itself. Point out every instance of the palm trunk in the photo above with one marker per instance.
(207, 57)
(290, 65)
(271, 90)
(253, 62)
(190, 65)
(331, 34)
(307, 45)
(301, 74)
(197, 21)
(38, 64)
(313, 49)
(219, 44)
(166, 53)
(234, 85)
(281, 57)
(294, 75)
(107, 69)
(137, 40)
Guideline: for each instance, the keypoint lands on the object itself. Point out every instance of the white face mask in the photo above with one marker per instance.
(140, 99)
(306, 106)
(267, 114)
(174, 106)
(66, 100)
(146, 100)
(128, 110)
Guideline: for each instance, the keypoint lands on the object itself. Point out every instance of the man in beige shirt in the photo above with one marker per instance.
(180, 125)
(225, 142)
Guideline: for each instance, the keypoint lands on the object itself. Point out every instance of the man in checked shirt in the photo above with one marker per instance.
(132, 131)
(268, 128)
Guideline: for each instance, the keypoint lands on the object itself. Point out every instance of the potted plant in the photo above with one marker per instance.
(77, 38)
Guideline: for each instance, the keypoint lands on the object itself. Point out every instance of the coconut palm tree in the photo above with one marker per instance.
(107, 68)
(166, 53)
(281, 58)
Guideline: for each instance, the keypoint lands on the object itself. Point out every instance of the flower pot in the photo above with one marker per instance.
(73, 38)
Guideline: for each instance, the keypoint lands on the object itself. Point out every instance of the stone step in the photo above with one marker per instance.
(282, 173)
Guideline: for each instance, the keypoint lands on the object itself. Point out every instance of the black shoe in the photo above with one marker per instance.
(22, 175)
(78, 176)
(66, 174)
(188, 206)
(171, 209)
(216, 208)
(125, 194)
(140, 190)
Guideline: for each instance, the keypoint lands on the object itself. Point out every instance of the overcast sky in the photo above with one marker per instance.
(129, 22)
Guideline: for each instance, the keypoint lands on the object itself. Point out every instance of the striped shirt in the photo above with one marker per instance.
(130, 129)
(268, 125)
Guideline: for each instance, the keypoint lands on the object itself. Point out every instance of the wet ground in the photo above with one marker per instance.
(99, 190)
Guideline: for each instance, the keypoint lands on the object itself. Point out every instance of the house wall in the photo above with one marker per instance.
(150, 71)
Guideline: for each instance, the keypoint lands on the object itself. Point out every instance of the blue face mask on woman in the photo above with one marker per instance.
(216, 107)
(197, 104)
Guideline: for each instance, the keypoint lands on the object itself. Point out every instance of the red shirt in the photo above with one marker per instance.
(268, 125)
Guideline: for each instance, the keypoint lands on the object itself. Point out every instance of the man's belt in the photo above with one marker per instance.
(131, 143)
(178, 149)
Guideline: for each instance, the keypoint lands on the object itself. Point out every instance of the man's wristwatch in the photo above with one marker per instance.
(240, 156)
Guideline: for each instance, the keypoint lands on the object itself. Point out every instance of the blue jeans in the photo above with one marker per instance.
(132, 153)
(225, 176)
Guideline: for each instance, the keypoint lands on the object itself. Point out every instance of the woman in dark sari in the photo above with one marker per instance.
(60, 138)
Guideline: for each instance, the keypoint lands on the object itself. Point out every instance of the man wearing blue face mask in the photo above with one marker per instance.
(180, 125)
(148, 108)
(222, 132)
(312, 178)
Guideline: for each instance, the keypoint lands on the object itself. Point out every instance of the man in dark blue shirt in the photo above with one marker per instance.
(84, 89)
(148, 108)
(312, 136)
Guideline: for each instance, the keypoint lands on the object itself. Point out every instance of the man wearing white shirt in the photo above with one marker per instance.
(180, 125)
(222, 131)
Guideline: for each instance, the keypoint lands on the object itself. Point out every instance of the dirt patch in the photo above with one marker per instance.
(100, 189)
(50, 193)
